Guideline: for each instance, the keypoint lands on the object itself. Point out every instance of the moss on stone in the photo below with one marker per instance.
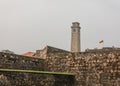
(36, 71)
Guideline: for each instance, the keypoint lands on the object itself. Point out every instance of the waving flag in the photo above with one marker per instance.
(101, 41)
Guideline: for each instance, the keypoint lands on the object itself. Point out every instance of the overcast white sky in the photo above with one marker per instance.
(28, 25)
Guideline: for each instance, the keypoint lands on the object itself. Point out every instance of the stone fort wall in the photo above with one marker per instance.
(9, 63)
(12, 61)
(34, 79)
(101, 68)
(91, 68)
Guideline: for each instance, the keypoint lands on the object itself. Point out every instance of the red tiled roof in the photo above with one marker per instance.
(30, 54)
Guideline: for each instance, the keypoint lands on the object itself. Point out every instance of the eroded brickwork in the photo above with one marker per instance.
(12, 61)
(34, 79)
(92, 69)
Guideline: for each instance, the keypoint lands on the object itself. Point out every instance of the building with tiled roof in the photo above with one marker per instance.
(30, 54)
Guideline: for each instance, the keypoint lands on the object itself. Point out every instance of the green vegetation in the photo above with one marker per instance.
(35, 71)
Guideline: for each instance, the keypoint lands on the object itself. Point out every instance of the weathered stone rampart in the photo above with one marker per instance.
(12, 61)
(48, 49)
(19, 78)
(101, 68)
(34, 79)
(91, 68)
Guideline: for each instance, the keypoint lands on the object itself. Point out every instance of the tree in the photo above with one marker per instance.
(7, 51)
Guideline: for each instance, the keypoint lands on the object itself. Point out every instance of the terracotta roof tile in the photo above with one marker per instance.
(30, 54)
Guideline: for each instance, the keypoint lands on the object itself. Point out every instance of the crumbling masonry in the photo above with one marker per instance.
(91, 68)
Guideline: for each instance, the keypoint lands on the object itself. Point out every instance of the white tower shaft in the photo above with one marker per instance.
(75, 37)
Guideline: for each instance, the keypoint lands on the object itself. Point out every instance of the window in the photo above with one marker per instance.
(74, 30)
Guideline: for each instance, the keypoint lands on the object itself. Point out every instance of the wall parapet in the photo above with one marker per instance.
(13, 61)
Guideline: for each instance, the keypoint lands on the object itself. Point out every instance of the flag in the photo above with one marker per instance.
(101, 41)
